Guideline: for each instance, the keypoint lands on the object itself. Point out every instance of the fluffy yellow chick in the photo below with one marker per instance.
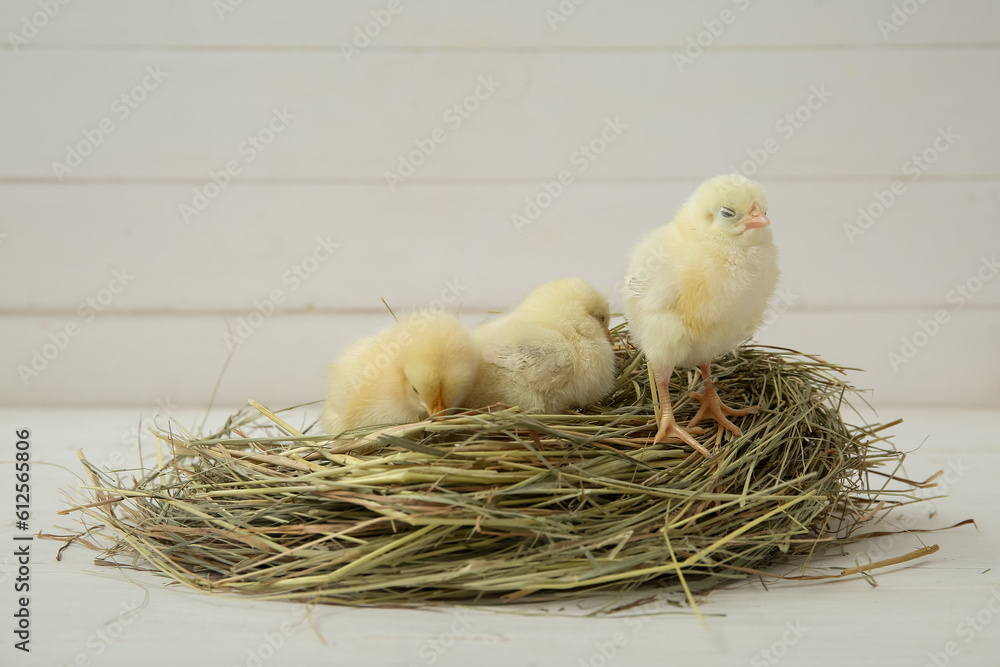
(424, 363)
(550, 353)
(698, 286)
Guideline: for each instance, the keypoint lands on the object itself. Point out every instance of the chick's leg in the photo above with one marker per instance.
(712, 406)
(668, 424)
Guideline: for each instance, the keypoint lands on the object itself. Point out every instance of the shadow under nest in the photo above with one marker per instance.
(501, 506)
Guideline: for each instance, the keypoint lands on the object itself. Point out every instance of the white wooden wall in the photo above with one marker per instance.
(892, 85)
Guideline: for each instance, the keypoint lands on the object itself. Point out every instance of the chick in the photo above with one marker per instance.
(550, 353)
(424, 363)
(698, 286)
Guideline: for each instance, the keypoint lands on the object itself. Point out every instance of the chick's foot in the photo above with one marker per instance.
(670, 428)
(668, 424)
(712, 406)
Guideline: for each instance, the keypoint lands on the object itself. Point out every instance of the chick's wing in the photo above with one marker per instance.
(651, 275)
(536, 363)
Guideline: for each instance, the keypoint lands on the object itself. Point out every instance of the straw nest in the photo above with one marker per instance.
(500, 506)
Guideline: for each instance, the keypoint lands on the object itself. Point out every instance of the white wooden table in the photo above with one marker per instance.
(85, 615)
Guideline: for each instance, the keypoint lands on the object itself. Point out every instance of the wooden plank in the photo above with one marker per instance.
(281, 361)
(533, 116)
(459, 24)
(411, 246)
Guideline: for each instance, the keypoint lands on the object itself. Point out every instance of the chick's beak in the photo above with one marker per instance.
(607, 334)
(757, 219)
(437, 405)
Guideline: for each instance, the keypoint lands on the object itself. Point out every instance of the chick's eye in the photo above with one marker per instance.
(414, 389)
(728, 212)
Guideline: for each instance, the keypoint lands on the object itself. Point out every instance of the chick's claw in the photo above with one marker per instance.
(670, 428)
(712, 406)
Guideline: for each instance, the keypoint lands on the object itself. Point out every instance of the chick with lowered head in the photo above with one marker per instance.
(697, 287)
(550, 353)
(424, 363)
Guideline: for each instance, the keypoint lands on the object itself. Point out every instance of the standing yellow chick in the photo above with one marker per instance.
(424, 363)
(698, 286)
(550, 353)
